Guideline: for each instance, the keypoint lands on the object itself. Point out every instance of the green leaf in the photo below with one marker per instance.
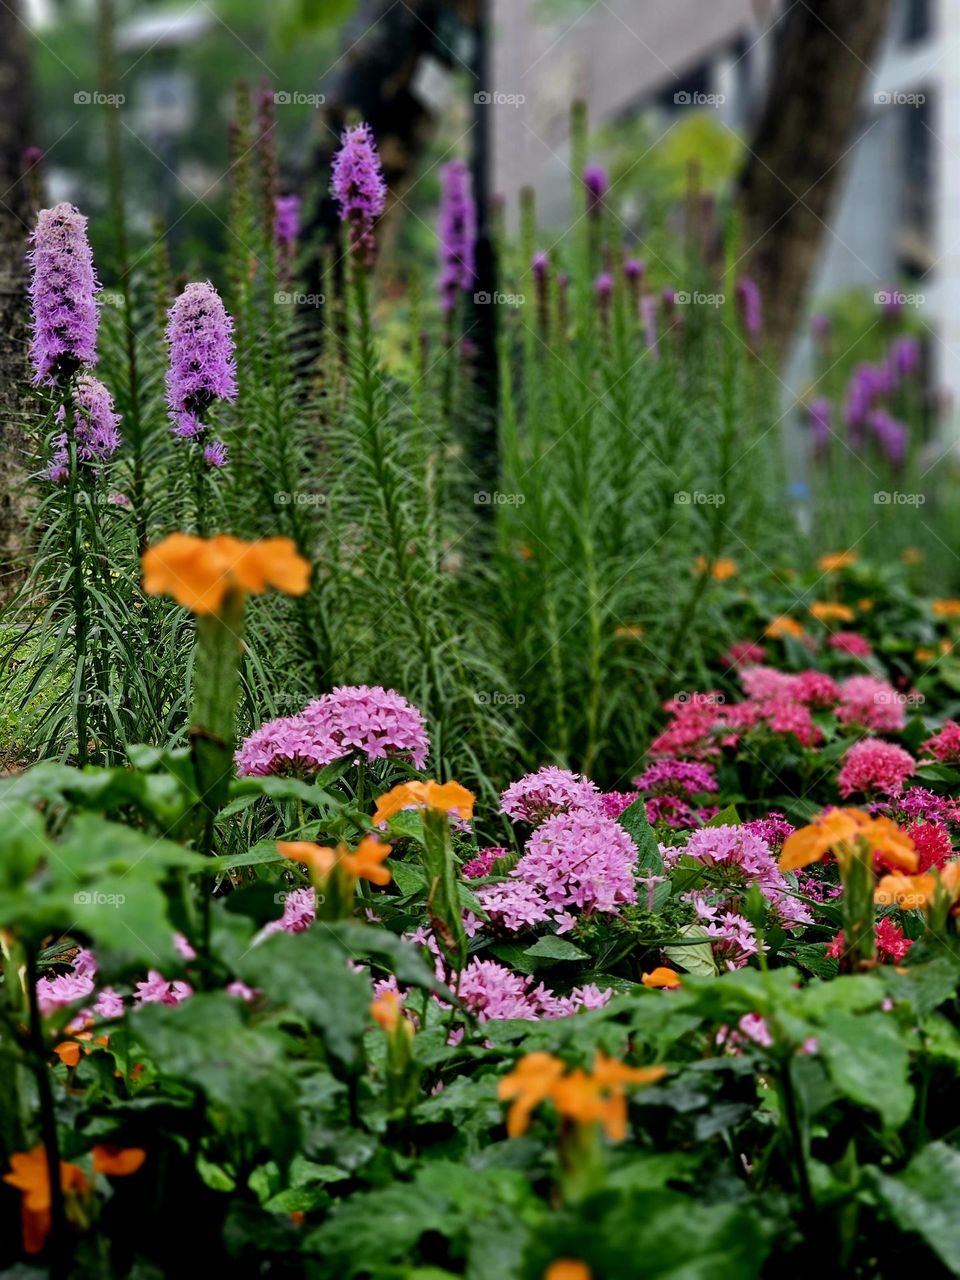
(728, 817)
(241, 1072)
(694, 957)
(923, 1199)
(308, 973)
(634, 822)
(867, 1059)
(550, 947)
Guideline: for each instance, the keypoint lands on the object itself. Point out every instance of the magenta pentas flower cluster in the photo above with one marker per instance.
(772, 830)
(63, 287)
(580, 859)
(358, 187)
(202, 368)
(945, 745)
(482, 865)
(549, 791)
(876, 768)
(96, 429)
(676, 777)
(851, 643)
(456, 233)
(353, 719)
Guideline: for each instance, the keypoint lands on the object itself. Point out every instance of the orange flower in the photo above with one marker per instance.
(200, 572)
(911, 555)
(30, 1175)
(567, 1269)
(631, 632)
(783, 625)
(830, 611)
(947, 608)
(925, 655)
(835, 560)
(838, 830)
(365, 864)
(448, 797)
(386, 1011)
(588, 1098)
(722, 569)
(920, 891)
(530, 1083)
(117, 1162)
(662, 977)
(68, 1051)
(865, 604)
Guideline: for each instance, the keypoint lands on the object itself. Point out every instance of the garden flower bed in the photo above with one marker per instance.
(317, 976)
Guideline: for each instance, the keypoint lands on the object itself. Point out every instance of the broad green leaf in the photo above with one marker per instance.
(923, 1200)
(550, 947)
(866, 1058)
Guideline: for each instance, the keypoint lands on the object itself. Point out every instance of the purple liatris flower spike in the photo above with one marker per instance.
(905, 357)
(751, 305)
(358, 186)
(539, 265)
(597, 184)
(286, 221)
(215, 454)
(96, 430)
(201, 369)
(457, 233)
(62, 294)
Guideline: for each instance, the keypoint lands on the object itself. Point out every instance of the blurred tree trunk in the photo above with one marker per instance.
(823, 53)
(14, 225)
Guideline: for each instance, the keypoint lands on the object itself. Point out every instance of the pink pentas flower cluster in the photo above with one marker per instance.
(372, 721)
(361, 719)
(580, 859)
(733, 939)
(945, 745)
(546, 793)
(63, 287)
(160, 990)
(67, 988)
(744, 653)
(741, 858)
(875, 767)
(299, 913)
(358, 187)
(514, 905)
(852, 643)
(676, 777)
(811, 688)
(871, 703)
(491, 991)
(613, 803)
(202, 367)
(675, 812)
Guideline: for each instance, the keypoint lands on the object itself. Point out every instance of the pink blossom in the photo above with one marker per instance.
(945, 745)
(160, 990)
(871, 704)
(548, 792)
(514, 905)
(875, 766)
(851, 642)
(582, 860)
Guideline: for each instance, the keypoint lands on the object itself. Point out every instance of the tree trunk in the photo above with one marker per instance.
(823, 53)
(15, 218)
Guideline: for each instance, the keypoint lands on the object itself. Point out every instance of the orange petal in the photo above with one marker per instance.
(117, 1162)
(661, 977)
